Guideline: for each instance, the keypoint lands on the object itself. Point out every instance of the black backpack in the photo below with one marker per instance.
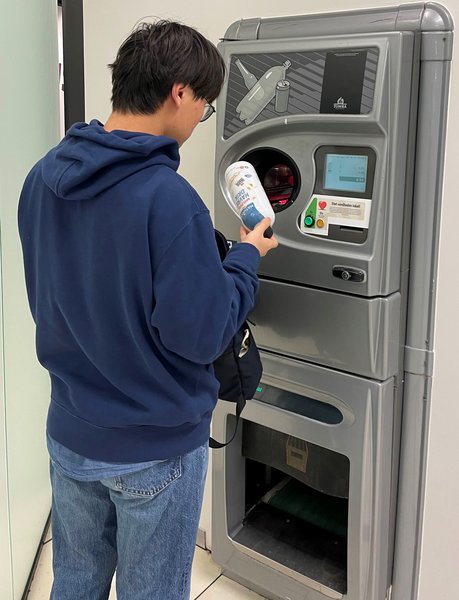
(239, 368)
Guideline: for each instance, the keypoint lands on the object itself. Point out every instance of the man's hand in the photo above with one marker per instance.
(257, 239)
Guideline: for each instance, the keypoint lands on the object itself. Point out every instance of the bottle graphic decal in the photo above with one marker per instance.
(258, 97)
(249, 78)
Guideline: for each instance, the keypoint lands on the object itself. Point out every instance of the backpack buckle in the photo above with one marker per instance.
(245, 343)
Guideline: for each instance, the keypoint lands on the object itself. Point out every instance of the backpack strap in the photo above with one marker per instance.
(223, 248)
(239, 407)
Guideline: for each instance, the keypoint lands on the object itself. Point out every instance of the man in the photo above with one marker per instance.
(132, 305)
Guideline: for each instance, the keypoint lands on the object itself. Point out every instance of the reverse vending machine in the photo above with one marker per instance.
(343, 117)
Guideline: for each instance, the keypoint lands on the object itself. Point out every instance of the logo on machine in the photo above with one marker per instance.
(340, 104)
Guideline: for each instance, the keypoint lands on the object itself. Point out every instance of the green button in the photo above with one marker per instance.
(309, 221)
(259, 389)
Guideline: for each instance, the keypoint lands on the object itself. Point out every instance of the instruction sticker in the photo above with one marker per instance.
(323, 211)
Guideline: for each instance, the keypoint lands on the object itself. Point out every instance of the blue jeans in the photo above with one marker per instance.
(143, 524)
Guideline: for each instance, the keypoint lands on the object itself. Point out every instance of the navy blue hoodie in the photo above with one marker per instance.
(130, 299)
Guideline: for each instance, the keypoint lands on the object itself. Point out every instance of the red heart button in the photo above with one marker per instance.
(322, 204)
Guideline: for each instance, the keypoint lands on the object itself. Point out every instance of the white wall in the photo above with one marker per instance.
(29, 125)
(107, 22)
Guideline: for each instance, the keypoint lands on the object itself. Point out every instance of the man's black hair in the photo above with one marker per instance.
(157, 55)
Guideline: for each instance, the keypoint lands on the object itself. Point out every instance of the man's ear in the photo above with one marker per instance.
(177, 92)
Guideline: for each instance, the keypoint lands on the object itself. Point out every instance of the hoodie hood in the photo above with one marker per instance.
(81, 166)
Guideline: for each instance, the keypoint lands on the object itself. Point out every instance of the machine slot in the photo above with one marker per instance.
(322, 412)
(344, 233)
(278, 174)
(354, 229)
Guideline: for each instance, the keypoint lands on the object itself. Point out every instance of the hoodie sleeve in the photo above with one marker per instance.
(199, 301)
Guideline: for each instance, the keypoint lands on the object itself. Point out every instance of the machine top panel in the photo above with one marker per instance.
(421, 16)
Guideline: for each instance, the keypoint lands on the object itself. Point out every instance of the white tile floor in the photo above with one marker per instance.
(207, 582)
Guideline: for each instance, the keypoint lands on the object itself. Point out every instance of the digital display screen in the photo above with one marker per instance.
(346, 172)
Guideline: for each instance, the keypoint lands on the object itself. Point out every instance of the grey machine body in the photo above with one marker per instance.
(343, 116)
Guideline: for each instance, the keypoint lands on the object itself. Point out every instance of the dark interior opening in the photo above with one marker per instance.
(278, 174)
(291, 522)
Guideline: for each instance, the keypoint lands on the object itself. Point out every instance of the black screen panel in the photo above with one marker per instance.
(343, 82)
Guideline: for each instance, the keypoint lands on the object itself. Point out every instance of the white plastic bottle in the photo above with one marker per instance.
(246, 196)
(261, 94)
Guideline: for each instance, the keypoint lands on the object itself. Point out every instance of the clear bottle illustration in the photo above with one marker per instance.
(262, 93)
(249, 78)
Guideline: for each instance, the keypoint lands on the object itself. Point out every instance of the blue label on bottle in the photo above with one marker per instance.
(250, 216)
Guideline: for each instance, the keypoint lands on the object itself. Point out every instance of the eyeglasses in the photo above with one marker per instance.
(208, 112)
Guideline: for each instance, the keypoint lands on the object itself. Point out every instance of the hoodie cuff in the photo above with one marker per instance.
(246, 252)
